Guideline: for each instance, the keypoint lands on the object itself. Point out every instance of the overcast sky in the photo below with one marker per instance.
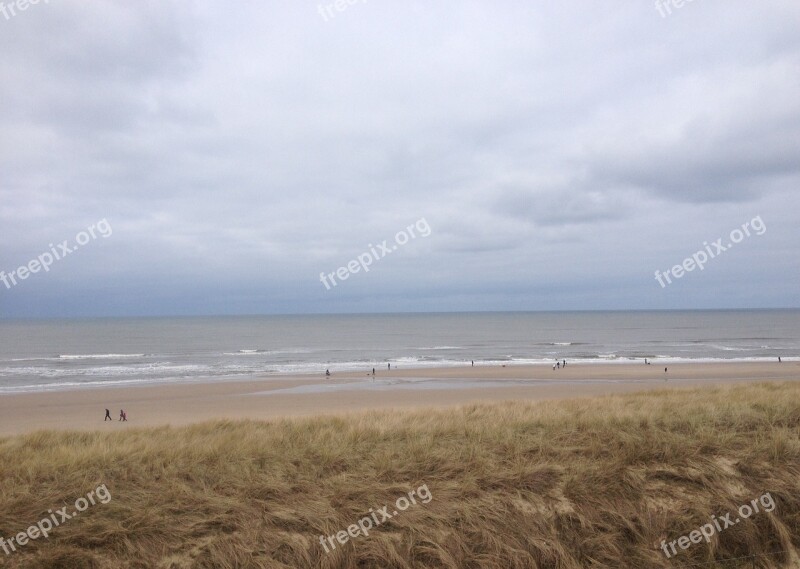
(560, 154)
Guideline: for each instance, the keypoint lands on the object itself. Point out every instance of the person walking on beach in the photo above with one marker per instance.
(122, 416)
(389, 366)
(108, 416)
(473, 363)
(327, 373)
(665, 370)
(779, 359)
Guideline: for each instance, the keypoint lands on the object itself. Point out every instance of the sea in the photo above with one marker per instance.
(48, 355)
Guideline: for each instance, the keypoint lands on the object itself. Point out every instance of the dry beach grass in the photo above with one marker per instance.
(580, 483)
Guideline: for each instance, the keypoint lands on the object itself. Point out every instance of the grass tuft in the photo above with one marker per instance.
(582, 483)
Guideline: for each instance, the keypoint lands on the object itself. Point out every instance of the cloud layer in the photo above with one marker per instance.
(561, 154)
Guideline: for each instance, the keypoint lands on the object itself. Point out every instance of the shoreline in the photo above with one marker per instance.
(274, 397)
(412, 368)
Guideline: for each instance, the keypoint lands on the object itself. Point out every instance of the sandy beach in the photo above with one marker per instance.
(288, 396)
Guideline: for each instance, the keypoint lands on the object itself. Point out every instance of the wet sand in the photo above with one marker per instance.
(289, 396)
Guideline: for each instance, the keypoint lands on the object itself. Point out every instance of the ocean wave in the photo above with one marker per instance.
(98, 356)
(94, 384)
(20, 378)
(149, 370)
(251, 352)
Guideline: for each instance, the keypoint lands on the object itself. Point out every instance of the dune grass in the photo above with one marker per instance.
(584, 483)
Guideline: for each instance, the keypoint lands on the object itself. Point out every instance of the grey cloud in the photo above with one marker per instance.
(240, 150)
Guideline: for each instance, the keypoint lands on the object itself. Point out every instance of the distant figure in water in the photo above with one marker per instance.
(390, 367)
(645, 361)
(473, 363)
(558, 365)
(327, 373)
(373, 371)
(108, 416)
(779, 359)
(564, 363)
